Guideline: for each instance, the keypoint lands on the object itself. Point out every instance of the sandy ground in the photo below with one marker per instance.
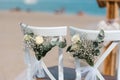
(11, 46)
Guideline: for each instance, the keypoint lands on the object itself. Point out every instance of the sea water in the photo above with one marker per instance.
(69, 6)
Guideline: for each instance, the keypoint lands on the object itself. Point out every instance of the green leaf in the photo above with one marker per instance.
(69, 48)
(38, 56)
(53, 43)
(62, 44)
(101, 35)
(95, 44)
(97, 52)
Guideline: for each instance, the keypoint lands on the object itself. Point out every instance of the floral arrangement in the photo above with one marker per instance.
(41, 44)
(83, 48)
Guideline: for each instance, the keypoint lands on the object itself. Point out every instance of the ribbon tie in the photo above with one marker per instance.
(90, 73)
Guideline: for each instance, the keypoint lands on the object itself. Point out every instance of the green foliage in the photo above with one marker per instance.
(87, 49)
(62, 44)
(43, 48)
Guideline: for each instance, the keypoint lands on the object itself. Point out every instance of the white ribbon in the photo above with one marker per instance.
(77, 69)
(34, 69)
(60, 65)
(38, 70)
(34, 66)
(89, 72)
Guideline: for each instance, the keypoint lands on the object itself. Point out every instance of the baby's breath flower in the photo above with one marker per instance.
(41, 45)
(85, 49)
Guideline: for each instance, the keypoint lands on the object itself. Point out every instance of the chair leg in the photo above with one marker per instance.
(99, 75)
(47, 71)
(118, 71)
(109, 63)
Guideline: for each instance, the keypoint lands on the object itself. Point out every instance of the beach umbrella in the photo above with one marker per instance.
(29, 2)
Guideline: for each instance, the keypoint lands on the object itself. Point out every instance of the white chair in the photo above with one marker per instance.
(112, 35)
(33, 63)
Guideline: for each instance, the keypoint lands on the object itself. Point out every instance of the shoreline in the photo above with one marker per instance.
(45, 12)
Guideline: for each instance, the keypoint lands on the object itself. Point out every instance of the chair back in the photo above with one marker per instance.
(110, 35)
(34, 65)
(47, 31)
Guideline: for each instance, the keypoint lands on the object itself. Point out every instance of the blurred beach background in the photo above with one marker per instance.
(79, 13)
(51, 6)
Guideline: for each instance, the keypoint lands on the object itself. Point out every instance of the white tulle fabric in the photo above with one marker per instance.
(77, 69)
(90, 72)
(34, 69)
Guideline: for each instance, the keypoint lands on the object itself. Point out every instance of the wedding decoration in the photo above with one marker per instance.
(42, 44)
(82, 48)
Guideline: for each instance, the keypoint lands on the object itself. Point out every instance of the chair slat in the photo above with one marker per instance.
(47, 31)
(110, 35)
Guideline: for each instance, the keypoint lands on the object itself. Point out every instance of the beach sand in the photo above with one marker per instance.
(11, 38)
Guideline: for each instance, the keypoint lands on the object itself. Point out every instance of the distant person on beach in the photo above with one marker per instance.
(60, 11)
(16, 9)
(28, 10)
(80, 13)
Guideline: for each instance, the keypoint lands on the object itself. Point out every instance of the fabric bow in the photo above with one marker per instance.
(34, 69)
(90, 73)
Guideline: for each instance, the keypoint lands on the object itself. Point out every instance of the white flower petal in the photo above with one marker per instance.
(27, 37)
(39, 40)
(75, 38)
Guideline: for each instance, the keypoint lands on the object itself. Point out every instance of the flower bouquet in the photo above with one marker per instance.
(82, 48)
(41, 44)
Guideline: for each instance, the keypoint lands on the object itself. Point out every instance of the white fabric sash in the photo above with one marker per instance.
(77, 69)
(34, 69)
(89, 72)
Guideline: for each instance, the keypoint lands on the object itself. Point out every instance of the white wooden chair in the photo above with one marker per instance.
(112, 35)
(31, 60)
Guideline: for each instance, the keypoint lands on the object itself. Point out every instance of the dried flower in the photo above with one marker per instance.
(83, 48)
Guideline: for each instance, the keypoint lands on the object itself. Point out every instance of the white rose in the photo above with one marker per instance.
(75, 38)
(27, 37)
(74, 47)
(39, 40)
